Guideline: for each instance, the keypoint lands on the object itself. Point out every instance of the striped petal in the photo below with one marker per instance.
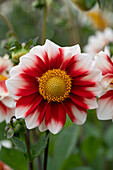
(104, 63)
(76, 113)
(105, 109)
(55, 117)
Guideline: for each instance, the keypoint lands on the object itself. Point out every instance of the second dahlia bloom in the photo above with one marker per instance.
(105, 108)
(7, 103)
(51, 81)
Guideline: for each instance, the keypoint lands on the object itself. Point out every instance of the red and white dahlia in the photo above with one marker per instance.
(105, 64)
(7, 103)
(51, 81)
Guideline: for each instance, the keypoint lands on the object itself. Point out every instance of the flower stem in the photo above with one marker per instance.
(11, 30)
(27, 141)
(44, 23)
(46, 152)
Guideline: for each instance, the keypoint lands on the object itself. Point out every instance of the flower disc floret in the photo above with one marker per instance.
(55, 85)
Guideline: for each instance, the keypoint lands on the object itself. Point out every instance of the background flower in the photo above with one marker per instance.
(51, 81)
(7, 104)
(97, 42)
(105, 109)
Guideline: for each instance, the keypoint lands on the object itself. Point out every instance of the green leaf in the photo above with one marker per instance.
(20, 144)
(90, 147)
(18, 45)
(65, 143)
(74, 160)
(13, 158)
(28, 44)
(35, 40)
(39, 147)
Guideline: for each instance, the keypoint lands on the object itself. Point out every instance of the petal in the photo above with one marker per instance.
(25, 105)
(33, 65)
(8, 102)
(22, 85)
(68, 52)
(104, 63)
(35, 118)
(3, 111)
(105, 109)
(16, 70)
(106, 80)
(3, 88)
(81, 65)
(55, 117)
(49, 53)
(77, 114)
(10, 113)
(42, 126)
(87, 103)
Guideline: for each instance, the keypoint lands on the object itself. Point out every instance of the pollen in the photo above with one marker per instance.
(3, 77)
(55, 85)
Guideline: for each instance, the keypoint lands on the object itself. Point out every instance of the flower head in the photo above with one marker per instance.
(98, 42)
(51, 81)
(105, 64)
(7, 103)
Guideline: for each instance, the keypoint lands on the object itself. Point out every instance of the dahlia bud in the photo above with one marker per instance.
(84, 5)
(17, 54)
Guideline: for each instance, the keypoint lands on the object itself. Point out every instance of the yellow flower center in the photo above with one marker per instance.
(3, 77)
(55, 85)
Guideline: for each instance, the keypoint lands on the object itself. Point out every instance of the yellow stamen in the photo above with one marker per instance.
(3, 77)
(55, 85)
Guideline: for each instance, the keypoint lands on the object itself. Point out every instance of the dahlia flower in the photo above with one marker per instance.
(7, 103)
(105, 64)
(3, 166)
(98, 42)
(51, 81)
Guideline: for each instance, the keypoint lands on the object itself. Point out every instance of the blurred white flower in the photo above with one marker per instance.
(97, 42)
(7, 104)
(5, 144)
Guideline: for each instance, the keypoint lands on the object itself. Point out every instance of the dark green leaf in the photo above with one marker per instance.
(13, 158)
(28, 44)
(39, 147)
(18, 45)
(20, 144)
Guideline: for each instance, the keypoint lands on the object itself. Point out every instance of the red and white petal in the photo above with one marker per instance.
(87, 103)
(31, 119)
(22, 85)
(55, 117)
(10, 113)
(42, 126)
(25, 105)
(90, 78)
(8, 102)
(3, 88)
(35, 118)
(76, 113)
(15, 70)
(81, 65)
(68, 52)
(3, 112)
(33, 65)
(105, 109)
(106, 80)
(104, 63)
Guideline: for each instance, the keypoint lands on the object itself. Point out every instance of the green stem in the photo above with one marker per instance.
(44, 23)
(46, 152)
(8, 24)
(27, 141)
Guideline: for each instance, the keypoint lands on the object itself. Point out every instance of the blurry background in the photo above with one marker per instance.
(86, 147)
